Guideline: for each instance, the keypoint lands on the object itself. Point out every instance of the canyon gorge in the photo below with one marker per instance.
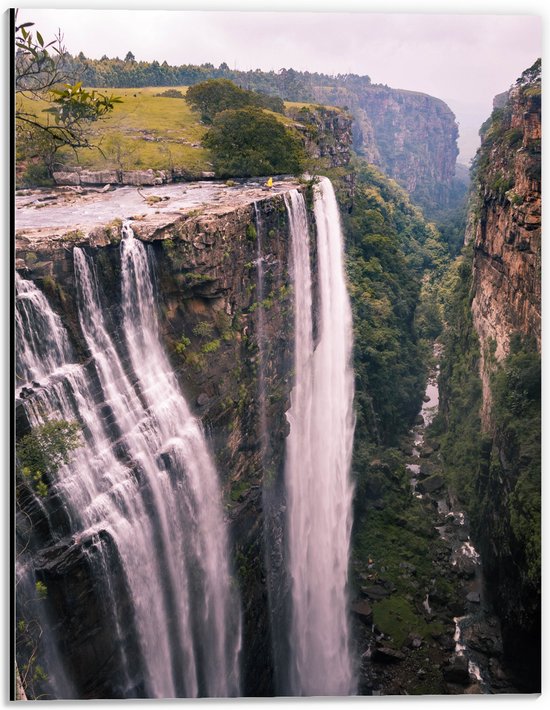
(285, 440)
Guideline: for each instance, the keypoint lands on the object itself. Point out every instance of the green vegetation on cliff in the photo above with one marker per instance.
(390, 249)
(503, 136)
(489, 423)
(41, 452)
(516, 410)
(472, 461)
(458, 423)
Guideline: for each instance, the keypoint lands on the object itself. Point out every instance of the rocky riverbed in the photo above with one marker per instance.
(423, 626)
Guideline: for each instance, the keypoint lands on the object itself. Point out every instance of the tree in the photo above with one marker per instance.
(129, 57)
(249, 141)
(40, 76)
(216, 95)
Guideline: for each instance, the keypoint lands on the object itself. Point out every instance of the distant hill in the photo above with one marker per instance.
(410, 135)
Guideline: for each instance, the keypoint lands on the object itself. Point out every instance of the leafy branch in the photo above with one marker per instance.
(40, 74)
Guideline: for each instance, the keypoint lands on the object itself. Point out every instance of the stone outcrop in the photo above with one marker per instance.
(327, 132)
(78, 176)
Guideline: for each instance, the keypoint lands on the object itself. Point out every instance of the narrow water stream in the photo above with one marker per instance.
(453, 528)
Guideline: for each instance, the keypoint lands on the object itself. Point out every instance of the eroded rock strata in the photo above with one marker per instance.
(506, 309)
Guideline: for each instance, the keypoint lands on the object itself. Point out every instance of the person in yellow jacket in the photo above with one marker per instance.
(269, 183)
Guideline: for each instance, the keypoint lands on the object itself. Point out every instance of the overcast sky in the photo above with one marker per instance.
(463, 59)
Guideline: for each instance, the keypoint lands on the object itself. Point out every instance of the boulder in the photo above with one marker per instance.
(446, 642)
(202, 399)
(431, 484)
(414, 641)
(362, 609)
(138, 177)
(473, 597)
(426, 469)
(67, 178)
(98, 177)
(474, 689)
(465, 567)
(484, 636)
(385, 654)
(376, 592)
(457, 671)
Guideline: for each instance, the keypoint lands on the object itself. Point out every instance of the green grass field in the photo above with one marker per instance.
(145, 131)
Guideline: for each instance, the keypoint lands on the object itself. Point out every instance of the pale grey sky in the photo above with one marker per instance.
(463, 59)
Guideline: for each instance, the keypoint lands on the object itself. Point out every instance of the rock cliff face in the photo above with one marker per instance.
(327, 131)
(206, 268)
(505, 228)
(411, 136)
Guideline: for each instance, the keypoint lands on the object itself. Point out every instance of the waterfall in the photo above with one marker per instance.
(141, 491)
(318, 456)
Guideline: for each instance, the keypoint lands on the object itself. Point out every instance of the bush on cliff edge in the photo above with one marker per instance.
(249, 142)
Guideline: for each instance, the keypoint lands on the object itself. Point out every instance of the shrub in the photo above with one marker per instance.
(181, 345)
(44, 450)
(211, 347)
(247, 142)
(36, 175)
(203, 329)
(171, 94)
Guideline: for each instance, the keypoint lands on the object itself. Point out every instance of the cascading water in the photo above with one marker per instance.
(143, 481)
(318, 457)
